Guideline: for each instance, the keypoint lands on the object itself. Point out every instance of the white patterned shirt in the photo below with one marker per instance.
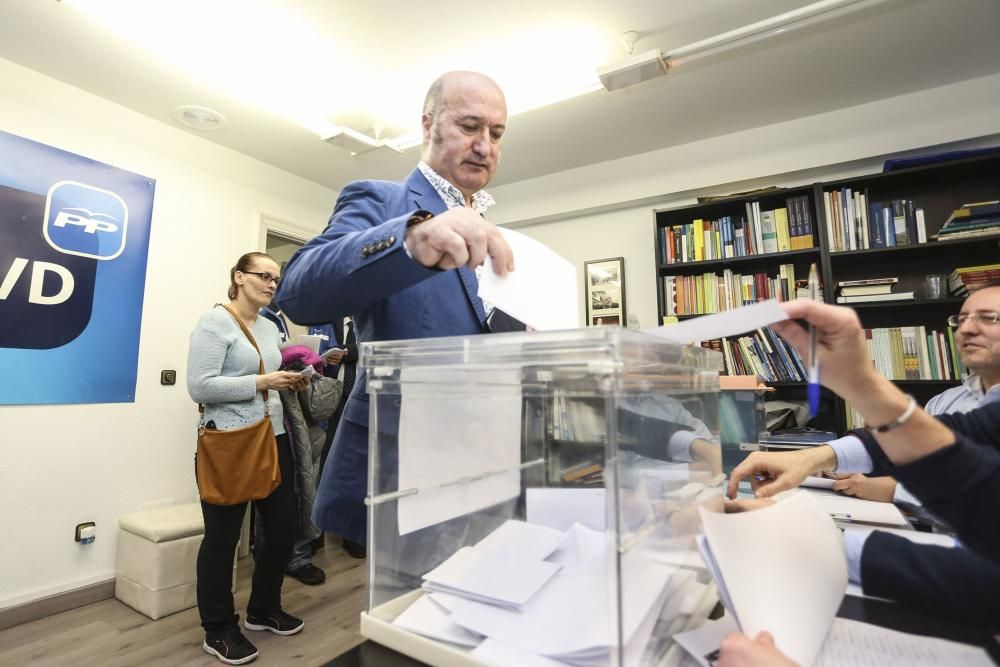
(452, 196)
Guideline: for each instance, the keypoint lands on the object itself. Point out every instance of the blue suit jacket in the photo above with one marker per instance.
(358, 267)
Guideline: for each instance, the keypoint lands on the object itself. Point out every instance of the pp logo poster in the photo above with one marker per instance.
(74, 237)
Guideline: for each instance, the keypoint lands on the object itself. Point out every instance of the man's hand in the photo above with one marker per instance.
(881, 489)
(738, 650)
(747, 505)
(458, 237)
(845, 366)
(773, 472)
(706, 456)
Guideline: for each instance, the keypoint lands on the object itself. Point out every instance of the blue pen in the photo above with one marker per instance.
(812, 390)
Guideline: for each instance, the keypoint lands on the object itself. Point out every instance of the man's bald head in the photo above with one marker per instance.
(436, 99)
(465, 116)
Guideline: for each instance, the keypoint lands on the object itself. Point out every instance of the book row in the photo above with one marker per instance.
(965, 279)
(853, 222)
(978, 219)
(764, 353)
(913, 353)
(711, 293)
(758, 233)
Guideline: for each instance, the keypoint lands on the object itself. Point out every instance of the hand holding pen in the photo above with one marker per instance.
(847, 367)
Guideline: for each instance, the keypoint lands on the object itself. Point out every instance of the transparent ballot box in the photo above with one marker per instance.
(535, 496)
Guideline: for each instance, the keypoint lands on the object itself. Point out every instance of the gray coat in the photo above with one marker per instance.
(302, 411)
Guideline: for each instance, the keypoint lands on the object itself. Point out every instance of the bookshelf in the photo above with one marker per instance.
(936, 190)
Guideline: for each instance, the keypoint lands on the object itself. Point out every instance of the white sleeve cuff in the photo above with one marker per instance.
(854, 544)
(679, 446)
(851, 455)
(902, 495)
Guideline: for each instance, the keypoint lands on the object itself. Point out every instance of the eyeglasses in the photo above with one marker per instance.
(266, 277)
(985, 319)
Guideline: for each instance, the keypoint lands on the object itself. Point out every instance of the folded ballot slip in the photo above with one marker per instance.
(495, 578)
(526, 540)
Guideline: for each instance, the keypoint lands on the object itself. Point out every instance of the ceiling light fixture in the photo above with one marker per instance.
(360, 144)
(652, 64)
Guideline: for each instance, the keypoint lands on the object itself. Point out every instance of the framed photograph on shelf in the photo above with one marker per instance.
(604, 291)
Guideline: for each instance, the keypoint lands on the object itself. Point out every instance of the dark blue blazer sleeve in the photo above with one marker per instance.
(981, 426)
(960, 483)
(956, 582)
(358, 260)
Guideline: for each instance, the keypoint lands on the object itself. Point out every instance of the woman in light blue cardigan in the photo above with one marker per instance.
(224, 375)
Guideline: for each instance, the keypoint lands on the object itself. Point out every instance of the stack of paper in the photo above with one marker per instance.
(780, 569)
(857, 510)
(570, 619)
(516, 608)
(493, 578)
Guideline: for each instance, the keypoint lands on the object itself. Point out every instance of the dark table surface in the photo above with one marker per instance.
(876, 612)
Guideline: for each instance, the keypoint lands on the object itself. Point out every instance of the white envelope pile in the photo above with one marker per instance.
(532, 595)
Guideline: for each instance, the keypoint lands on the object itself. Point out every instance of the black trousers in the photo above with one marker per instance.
(218, 547)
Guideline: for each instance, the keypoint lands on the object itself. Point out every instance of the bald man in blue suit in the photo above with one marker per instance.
(399, 257)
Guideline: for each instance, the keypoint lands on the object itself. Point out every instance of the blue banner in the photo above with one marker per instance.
(74, 236)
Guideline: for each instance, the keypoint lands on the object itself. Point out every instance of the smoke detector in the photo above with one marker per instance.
(199, 118)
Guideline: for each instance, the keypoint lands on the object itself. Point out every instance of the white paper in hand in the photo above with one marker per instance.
(784, 570)
(720, 325)
(541, 291)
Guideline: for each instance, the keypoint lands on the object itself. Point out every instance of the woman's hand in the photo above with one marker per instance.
(281, 380)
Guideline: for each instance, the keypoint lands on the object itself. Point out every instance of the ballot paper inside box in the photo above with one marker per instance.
(534, 496)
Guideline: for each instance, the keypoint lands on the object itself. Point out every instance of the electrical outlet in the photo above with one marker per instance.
(86, 532)
(168, 377)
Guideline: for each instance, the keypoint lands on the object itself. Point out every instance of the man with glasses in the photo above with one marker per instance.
(952, 581)
(977, 337)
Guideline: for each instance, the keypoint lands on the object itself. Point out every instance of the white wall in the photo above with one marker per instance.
(606, 210)
(61, 465)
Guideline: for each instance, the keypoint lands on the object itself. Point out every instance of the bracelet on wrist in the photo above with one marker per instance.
(911, 407)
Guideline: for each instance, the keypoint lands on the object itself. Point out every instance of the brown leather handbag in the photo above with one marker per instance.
(241, 464)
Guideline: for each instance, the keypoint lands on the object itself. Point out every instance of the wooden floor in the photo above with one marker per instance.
(111, 634)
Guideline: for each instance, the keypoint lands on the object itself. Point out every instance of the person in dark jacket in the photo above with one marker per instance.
(952, 463)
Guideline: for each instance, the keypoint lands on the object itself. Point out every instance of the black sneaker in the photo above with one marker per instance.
(279, 623)
(354, 549)
(308, 574)
(232, 650)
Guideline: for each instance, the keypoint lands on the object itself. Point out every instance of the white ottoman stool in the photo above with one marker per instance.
(157, 554)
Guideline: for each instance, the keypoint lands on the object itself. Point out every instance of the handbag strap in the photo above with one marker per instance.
(253, 341)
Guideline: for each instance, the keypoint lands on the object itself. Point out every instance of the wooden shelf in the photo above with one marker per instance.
(935, 383)
(706, 265)
(923, 303)
(930, 247)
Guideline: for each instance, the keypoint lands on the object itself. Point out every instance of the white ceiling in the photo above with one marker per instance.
(890, 49)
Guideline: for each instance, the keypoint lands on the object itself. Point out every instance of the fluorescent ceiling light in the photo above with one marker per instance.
(634, 69)
(651, 64)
